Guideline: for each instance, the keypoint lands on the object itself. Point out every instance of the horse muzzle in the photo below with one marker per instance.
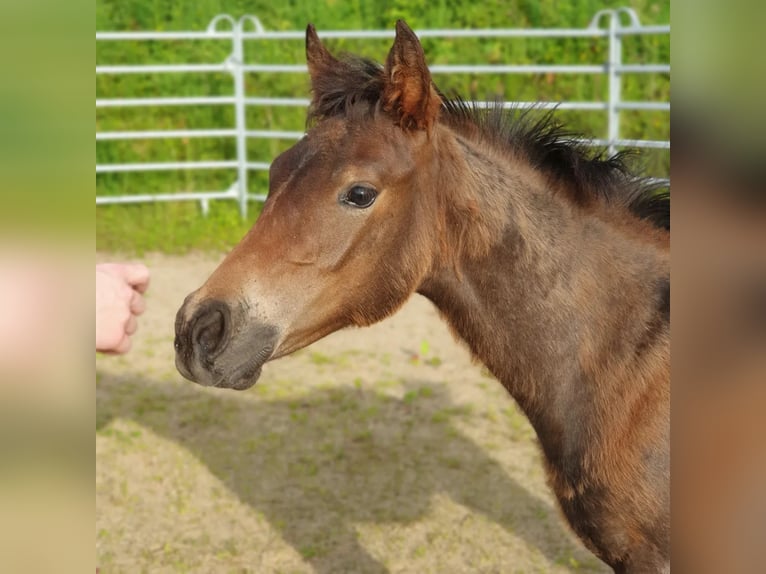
(219, 345)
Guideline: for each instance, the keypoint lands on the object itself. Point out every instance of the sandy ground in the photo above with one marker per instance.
(376, 450)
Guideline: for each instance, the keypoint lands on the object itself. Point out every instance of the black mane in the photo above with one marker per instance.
(356, 87)
(343, 89)
(561, 154)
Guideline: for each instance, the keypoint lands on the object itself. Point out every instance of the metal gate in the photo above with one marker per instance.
(609, 25)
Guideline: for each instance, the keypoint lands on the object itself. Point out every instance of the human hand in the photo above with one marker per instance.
(119, 301)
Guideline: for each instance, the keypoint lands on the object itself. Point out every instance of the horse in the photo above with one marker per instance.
(550, 261)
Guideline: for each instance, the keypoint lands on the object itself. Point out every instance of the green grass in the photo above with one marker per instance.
(178, 228)
(170, 227)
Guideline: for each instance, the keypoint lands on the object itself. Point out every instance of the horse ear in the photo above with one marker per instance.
(319, 60)
(409, 92)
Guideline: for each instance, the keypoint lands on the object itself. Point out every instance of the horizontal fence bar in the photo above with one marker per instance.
(162, 69)
(485, 33)
(435, 69)
(182, 165)
(164, 166)
(655, 144)
(462, 33)
(584, 106)
(274, 134)
(656, 29)
(519, 69)
(646, 106)
(180, 196)
(180, 101)
(296, 135)
(164, 134)
(643, 69)
(152, 36)
(304, 102)
(383, 34)
(361, 34)
(455, 69)
(179, 134)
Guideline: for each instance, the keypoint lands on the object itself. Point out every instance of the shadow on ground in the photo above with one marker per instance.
(318, 464)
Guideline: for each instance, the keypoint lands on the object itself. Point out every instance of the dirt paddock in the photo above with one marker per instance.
(377, 450)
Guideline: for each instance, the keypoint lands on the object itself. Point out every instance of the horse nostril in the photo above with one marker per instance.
(209, 330)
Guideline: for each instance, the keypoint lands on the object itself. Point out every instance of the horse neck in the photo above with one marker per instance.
(560, 304)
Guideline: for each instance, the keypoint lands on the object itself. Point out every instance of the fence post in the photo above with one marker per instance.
(615, 82)
(613, 68)
(614, 59)
(233, 65)
(237, 60)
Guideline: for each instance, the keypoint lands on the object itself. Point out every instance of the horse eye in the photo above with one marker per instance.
(360, 196)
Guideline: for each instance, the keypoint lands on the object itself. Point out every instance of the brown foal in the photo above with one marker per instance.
(551, 264)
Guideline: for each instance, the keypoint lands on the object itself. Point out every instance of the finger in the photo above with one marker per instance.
(132, 325)
(123, 346)
(137, 303)
(142, 286)
(135, 274)
(111, 320)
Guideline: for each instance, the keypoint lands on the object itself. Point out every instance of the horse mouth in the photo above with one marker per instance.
(239, 378)
(236, 367)
(246, 375)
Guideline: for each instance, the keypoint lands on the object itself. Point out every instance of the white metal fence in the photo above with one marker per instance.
(610, 25)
